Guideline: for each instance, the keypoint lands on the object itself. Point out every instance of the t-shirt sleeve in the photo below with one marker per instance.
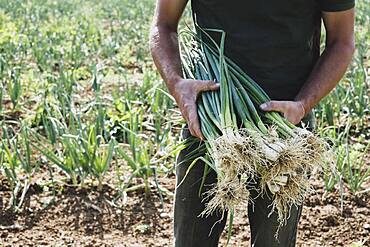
(336, 5)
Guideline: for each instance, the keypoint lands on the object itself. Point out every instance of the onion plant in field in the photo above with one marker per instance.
(14, 87)
(351, 167)
(1, 100)
(17, 164)
(138, 122)
(81, 150)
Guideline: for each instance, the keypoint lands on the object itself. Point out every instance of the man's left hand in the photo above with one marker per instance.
(293, 111)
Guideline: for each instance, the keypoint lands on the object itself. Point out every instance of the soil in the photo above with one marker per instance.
(85, 217)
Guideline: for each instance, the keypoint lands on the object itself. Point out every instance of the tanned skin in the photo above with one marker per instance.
(328, 70)
(326, 74)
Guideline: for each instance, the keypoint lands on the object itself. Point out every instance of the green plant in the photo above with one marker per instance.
(14, 87)
(15, 160)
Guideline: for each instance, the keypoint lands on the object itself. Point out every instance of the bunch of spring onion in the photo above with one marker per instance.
(244, 144)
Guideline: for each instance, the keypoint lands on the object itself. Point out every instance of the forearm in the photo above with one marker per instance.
(165, 51)
(326, 74)
(166, 55)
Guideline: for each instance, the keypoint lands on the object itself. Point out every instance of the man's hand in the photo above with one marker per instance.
(165, 50)
(186, 93)
(293, 111)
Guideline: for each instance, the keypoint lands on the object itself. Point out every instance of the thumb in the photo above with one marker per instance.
(208, 86)
(273, 106)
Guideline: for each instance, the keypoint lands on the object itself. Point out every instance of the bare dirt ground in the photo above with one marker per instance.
(81, 217)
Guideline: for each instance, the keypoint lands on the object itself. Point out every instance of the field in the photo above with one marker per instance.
(90, 134)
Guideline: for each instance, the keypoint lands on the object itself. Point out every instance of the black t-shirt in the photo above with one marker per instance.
(276, 42)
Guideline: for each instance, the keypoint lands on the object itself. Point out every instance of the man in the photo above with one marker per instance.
(277, 43)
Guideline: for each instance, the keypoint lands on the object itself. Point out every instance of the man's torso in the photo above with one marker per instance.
(275, 42)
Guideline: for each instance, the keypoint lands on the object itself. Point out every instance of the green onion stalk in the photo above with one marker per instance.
(219, 127)
(243, 143)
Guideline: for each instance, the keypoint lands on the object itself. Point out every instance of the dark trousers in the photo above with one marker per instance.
(191, 230)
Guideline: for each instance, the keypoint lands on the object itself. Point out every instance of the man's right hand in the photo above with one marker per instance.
(166, 55)
(186, 92)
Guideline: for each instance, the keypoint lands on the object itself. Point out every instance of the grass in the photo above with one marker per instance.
(81, 102)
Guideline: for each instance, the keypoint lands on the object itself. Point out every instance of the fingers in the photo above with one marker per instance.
(203, 86)
(194, 126)
(188, 102)
(273, 105)
(292, 111)
(192, 118)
